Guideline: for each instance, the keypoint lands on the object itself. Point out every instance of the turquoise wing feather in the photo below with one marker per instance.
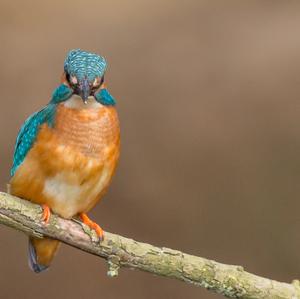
(105, 98)
(28, 133)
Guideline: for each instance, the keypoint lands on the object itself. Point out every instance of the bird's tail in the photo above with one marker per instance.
(41, 252)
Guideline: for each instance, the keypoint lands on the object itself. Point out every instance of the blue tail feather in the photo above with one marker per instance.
(32, 260)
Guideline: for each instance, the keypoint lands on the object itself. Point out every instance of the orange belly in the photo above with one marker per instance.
(70, 166)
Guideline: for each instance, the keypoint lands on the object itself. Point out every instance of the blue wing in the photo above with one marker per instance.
(28, 133)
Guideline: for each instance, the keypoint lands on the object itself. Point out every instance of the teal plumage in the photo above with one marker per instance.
(105, 98)
(61, 93)
(28, 133)
(80, 63)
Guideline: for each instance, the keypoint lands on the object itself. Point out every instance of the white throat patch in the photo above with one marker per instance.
(76, 102)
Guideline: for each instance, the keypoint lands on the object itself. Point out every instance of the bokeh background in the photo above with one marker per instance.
(209, 101)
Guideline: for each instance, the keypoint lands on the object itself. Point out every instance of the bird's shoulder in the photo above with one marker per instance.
(29, 131)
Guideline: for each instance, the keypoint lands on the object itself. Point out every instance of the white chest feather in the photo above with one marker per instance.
(69, 198)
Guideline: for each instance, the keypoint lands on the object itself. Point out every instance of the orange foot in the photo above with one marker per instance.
(46, 213)
(93, 225)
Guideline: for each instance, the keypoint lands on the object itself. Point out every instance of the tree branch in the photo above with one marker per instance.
(230, 281)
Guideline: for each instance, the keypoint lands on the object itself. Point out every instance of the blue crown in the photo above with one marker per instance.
(80, 63)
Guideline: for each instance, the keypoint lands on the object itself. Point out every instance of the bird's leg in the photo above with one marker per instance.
(46, 213)
(93, 225)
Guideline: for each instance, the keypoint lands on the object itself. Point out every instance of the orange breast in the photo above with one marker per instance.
(71, 165)
(89, 131)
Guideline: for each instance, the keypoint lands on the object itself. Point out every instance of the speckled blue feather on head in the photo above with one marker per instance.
(81, 63)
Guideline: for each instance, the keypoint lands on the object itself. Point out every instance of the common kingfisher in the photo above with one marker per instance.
(66, 153)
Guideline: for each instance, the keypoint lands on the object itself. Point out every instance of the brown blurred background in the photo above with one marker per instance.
(209, 100)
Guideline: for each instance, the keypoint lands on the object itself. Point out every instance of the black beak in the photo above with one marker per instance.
(84, 89)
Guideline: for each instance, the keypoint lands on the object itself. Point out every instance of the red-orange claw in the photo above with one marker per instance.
(46, 213)
(93, 225)
(99, 231)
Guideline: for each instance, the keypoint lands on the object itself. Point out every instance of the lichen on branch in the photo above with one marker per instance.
(228, 280)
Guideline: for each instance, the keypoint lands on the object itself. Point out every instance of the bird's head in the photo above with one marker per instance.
(84, 72)
(84, 76)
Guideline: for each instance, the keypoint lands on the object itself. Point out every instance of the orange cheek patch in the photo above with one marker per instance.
(63, 79)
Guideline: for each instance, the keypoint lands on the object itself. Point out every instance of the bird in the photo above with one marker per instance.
(66, 153)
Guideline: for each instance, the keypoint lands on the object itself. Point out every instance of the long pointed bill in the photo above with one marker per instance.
(85, 89)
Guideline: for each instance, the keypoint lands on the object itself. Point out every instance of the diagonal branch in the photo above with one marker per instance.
(230, 281)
